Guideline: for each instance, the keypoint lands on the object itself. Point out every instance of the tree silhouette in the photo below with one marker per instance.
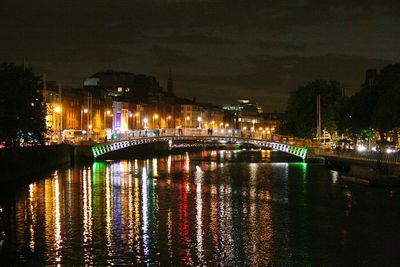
(301, 112)
(22, 111)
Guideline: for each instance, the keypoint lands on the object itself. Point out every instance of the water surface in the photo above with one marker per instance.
(201, 208)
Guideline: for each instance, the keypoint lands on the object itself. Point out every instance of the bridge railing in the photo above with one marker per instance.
(201, 139)
(136, 134)
(391, 158)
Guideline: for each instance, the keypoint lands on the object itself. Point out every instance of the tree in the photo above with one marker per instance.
(360, 109)
(387, 109)
(301, 111)
(376, 106)
(22, 111)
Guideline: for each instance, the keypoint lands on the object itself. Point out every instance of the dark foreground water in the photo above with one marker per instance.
(206, 208)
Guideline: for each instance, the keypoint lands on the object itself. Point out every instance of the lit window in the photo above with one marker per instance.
(119, 89)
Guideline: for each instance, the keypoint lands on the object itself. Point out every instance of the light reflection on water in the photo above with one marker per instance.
(228, 208)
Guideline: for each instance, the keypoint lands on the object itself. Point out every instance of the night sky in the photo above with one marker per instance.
(218, 51)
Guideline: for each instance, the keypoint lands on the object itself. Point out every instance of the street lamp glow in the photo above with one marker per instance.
(187, 118)
(108, 112)
(136, 114)
(199, 119)
(227, 125)
(145, 120)
(85, 110)
(57, 109)
(155, 116)
(169, 117)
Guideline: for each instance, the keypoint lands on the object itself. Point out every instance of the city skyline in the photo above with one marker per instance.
(217, 51)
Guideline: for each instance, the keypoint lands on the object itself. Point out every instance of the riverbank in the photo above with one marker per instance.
(18, 164)
(373, 173)
(23, 164)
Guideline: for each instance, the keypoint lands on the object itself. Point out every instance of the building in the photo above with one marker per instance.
(243, 114)
(370, 77)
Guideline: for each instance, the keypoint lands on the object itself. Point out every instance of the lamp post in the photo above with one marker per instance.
(155, 116)
(106, 113)
(130, 116)
(136, 120)
(58, 110)
(199, 119)
(85, 110)
(187, 120)
(168, 120)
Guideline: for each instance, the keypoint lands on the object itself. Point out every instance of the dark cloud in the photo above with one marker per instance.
(166, 56)
(258, 49)
(195, 39)
(280, 45)
(273, 77)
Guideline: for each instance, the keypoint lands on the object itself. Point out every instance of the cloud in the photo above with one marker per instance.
(166, 56)
(273, 77)
(195, 39)
(280, 45)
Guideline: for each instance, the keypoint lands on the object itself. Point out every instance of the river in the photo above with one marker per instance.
(200, 208)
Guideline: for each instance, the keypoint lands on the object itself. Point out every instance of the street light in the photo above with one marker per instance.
(136, 120)
(199, 119)
(85, 110)
(130, 116)
(90, 130)
(168, 119)
(145, 120)
(106, 113)
(187, 119)
(155, 116)
(57, 109)
(253, 121)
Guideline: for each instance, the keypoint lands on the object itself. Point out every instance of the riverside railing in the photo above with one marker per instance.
(390, 158)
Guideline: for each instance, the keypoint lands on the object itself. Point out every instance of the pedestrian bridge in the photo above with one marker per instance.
(105, 148)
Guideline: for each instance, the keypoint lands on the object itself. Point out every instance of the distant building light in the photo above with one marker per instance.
(119, 89)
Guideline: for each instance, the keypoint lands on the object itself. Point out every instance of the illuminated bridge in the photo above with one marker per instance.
(106, 148)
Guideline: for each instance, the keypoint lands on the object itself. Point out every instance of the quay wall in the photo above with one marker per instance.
(19, 163)
(382, 173)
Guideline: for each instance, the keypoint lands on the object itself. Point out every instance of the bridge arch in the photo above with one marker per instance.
(105, 148)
